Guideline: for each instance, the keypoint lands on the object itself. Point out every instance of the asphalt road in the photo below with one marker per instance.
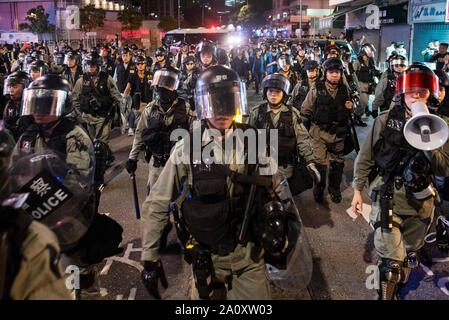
(342, 247)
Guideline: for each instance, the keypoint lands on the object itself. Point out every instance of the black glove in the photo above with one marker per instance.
(131, 165)
(442, 234)
(374, 113)
(153, 271)
(314, 172)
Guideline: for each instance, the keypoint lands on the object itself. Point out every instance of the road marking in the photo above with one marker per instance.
(106, 268)
(119, 297)
(440, 259)
(103, 292)
(442, 285)
(132, 294)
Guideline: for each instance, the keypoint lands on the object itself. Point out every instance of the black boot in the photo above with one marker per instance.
(358, 121)
(335, 177)
(318, 190)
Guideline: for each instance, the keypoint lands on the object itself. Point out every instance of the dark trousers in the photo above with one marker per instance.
(257, 80)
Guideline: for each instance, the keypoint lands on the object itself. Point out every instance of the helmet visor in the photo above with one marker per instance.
(167, 79)
(278, 82)
(43, 102)
(220, 99)
(407, 81)
(283, 62)
(399, 63)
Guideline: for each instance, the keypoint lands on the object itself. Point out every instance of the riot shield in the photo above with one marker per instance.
(59, 196)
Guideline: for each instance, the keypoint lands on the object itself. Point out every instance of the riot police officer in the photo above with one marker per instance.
(387, 84)
(73, 70)
(400, 182)
(14, 86)
(302, 88)
(30, 268)
(326, 110)
(300, 60)
(96, 98)
(294, 148)
(107, 64)
(161, 59)
(365, 70)
(222, 267)
(37, 69)
(285, 65)
(158, 120)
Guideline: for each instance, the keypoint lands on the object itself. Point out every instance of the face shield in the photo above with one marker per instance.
(45, 102)
(283, 62)
(11, 82)
(167, 79)
(59, 59)
(220, 99)
(417, 81)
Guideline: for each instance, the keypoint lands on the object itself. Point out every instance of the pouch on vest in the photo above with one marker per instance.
(301, 180)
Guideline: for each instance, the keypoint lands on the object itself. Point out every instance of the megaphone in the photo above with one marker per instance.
(425, 131)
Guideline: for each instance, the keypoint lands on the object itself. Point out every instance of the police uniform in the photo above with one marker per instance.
(179, 115)
(384, 94)
(293, 136)
(365, 75)
(324, 109)
(95, 117)
(239, 271)
(411, 217)
(34, 270)
(291, 76)
(299, 94)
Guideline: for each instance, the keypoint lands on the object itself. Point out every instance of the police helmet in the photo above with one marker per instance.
(219, 91)
(209, 47)
(167, 77)
(139, 60)
(332, 64)
(366, 49)
(284, 60)
(18, 77)
(59, 58)
(162, 52)
(91, 59)
(125, 50)
(134, 47)
(37, 55)
(47, 95)
(278, 81)
(398, 60)
(311, 65)
(149, 61)
(417, 76)
(443, 79)
(188, 59)
(332, 49)
(39, 66)
(72, 55)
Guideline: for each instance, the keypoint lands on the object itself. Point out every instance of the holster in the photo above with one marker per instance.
(386, 207)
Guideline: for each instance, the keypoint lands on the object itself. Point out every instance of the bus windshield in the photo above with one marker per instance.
(194, 38)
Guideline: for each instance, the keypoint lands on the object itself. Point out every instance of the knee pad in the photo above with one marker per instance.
(390, 276)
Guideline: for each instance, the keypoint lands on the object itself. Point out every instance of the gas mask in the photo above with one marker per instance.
(416, 177)
(166, 96)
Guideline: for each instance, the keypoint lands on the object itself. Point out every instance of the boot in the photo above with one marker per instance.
(318, 190)
(335, 177)
(358, 121)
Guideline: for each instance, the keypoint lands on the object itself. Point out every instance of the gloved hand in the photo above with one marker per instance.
(153, 271)
(131, 165)
(374, 113)
(314, 172)
(442, 234)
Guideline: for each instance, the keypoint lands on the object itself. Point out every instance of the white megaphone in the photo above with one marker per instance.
(425, 131)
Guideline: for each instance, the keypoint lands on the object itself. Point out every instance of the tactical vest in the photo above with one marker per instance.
(286, 133)
(365, 74)
(159, 143)
(11, 115)
(96, 100)
(67, 74)
(392, 147)
(123, 75)
(330, 114)
(302, 94)
(213, 215)
(389, 91)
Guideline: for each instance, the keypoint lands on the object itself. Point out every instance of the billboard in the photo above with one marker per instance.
(335, 2)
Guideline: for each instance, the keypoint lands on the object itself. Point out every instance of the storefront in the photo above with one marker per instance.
(428, 20)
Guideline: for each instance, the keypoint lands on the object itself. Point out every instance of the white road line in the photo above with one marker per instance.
(119, 297)
(132, 294)
(103, 292)
(442, 285)
(106, 268)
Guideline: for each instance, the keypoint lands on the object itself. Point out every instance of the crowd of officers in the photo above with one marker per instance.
(312, 97)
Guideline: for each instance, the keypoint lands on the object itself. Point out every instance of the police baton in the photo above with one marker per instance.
(136, 199)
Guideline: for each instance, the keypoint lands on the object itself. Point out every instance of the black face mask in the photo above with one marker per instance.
(166, 96)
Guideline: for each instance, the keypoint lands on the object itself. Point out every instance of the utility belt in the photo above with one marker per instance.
(332, 128)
